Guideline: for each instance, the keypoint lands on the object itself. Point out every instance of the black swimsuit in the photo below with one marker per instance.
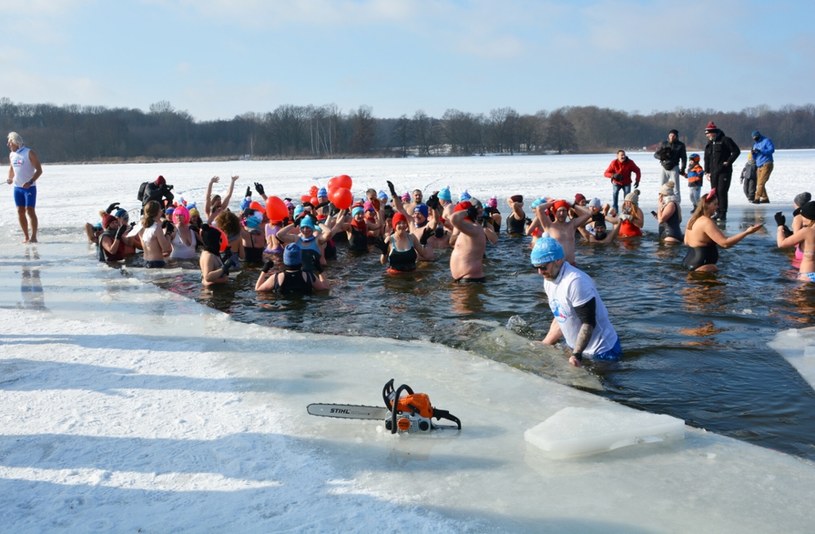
(698, 256)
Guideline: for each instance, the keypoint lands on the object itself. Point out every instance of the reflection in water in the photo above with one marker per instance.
(30, 283)
(703, 293)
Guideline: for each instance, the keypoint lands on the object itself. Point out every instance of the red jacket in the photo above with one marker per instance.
(624, 169)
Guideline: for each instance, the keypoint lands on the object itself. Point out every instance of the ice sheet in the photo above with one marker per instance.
(574, 431)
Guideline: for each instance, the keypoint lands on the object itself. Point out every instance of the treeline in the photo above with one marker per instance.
(92, 133)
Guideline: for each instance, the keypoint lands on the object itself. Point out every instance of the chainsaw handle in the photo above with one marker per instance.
(444, 414)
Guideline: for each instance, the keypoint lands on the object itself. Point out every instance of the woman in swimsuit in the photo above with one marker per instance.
(156, 245)
(805, 236)
(293, 280)
(403, 249)
(703, 236)
(669, 215)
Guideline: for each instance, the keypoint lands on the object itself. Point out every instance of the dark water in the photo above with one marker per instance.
(695, 346)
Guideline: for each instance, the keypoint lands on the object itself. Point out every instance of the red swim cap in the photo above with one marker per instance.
(560, 204)
(397, 218)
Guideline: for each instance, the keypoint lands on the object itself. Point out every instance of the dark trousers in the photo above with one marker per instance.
(721, 181)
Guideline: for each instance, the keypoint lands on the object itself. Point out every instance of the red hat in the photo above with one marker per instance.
(711, 126)
(463, 206)
(578, 198)
(560, 204)
(397, 218)
(160, 180)
(107, 220)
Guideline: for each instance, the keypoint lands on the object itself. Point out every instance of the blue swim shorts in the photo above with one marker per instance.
(25, 198)
(612, 355)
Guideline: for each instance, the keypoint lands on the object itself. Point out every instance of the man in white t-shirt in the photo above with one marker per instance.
(580, 317)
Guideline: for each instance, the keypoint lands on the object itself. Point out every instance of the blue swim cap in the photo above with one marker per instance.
(546, 249)
(121, 214)
(323, 192)
(464, 196)
(357, 210)
(297, 211)
(382, 195)
(421, 208)
(308, 222)
(538, 201)
(444, 194)
(253, 221)
(292, 255)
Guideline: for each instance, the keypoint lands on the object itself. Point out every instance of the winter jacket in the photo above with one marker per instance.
(672, 154)
(719, 151)
(763, 151)
(624, 169)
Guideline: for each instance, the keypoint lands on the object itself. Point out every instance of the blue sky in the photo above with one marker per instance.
(217, 59)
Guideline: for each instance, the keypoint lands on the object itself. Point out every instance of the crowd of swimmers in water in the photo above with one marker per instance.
(294, 248)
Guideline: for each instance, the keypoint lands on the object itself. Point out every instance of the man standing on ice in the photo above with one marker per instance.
(24, 170)
(580, 317)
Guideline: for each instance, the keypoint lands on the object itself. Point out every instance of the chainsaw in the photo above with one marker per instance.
(404, 411)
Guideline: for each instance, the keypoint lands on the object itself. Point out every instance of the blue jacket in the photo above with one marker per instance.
(763, 151)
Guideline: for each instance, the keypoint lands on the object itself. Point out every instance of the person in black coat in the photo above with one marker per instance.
(720, 154)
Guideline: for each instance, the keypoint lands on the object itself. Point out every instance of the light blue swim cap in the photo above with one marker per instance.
(382, 195)
(253, 221)
(357, 210)
(444, 194)
(465, 196)
(308, 222)
(297, 211)
(546, 249)
(538, 201)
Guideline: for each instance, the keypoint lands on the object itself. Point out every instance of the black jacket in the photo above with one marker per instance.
(672, 154)
(157, 193)
(718, 151)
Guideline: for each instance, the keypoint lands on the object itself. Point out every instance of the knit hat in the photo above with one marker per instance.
(674, 131)
(444, 194)
(292, 255)
(546, 249)
(808, 210)
(492, 202)
(421, 208)
(307, 222)
(695, 156)
(802, 198)
(464, 196)
(560, 204)
(397, 218)
(633, 197)
(121, 214)
(667, 189)
(711, 127)
(579, 197)
(383, 196)
(756, 134)
(596, 203)
(107, 220)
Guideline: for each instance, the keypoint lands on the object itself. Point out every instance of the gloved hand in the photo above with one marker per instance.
(780, 220)
(112, 207)
(169, 187)
(380, 244)
(268, 266)
(120, 232)
(230, 263)
(248, 191)
(259, 189)
(168, 227)
(392, 189)
(426, 233)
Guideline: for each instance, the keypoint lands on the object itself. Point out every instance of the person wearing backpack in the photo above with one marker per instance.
(157, 190)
